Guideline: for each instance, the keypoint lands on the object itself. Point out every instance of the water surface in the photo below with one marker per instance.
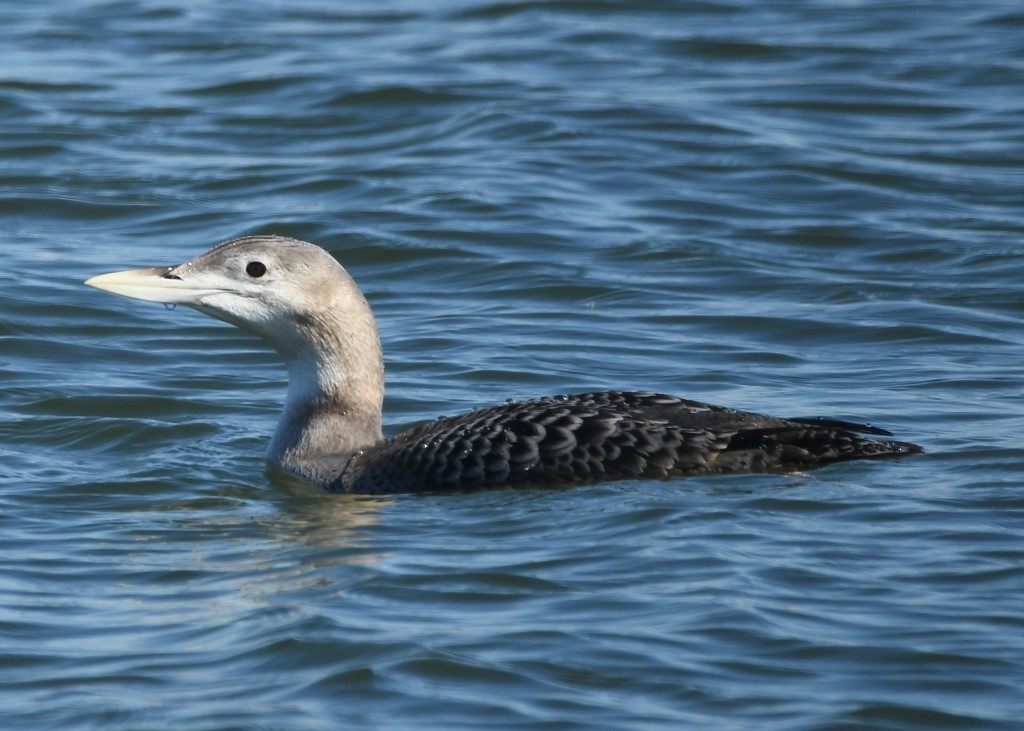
(800, 208)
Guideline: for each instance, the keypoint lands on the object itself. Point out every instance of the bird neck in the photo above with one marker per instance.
(335, 395)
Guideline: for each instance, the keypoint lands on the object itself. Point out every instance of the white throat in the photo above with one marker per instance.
(333, 406)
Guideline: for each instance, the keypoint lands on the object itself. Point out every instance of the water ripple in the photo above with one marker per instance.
(803, 208)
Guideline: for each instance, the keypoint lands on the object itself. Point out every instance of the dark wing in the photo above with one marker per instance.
(684, 413)
(544, 441)
(592, 437)
(698, 415)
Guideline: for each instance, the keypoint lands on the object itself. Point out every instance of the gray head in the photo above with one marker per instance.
(299, 299)
(289, 292)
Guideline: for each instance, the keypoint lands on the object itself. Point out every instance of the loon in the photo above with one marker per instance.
(299, 299)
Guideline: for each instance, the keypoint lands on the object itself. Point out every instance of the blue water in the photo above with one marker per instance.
(798, 208)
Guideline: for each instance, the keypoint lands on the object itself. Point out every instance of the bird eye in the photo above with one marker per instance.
(255, 269)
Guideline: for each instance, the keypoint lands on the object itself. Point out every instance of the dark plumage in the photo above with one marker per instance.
(608, 435)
